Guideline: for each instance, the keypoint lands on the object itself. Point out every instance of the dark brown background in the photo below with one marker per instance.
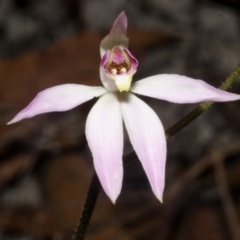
(45, 164)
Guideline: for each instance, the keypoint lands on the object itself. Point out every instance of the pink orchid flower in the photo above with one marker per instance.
(104, 127)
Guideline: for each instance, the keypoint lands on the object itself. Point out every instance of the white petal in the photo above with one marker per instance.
(59, 98)
(104, 132)
(180, 89)
(147, 136)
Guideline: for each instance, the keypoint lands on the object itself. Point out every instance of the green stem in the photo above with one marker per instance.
(95, 185)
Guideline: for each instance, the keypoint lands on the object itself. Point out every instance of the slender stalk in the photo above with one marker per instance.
(88, 208)
(95, 185)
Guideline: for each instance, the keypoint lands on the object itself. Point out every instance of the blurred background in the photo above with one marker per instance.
(45, 163)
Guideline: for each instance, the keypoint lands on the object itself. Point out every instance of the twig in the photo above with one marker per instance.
(183, 182)
(226, 198)
(196, 170)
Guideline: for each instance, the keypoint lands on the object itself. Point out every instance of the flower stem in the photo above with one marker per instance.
(88, 208)
(95, 186)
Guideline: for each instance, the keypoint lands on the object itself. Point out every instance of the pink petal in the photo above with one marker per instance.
(180, 89)
(59, 98)
(104, 132)
(147, 136)
(117, 35)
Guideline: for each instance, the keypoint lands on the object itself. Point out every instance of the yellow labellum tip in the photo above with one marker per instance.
(123, 82)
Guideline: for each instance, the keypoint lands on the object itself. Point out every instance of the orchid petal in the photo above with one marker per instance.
(117, 35)
(57, 99)
(104, 132)
(180, 89)
(147, 136)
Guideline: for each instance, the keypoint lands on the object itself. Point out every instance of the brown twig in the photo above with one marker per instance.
(228, 205)
(183, 182)
(196, 170)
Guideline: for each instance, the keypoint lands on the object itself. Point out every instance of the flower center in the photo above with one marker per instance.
(119, 61)
(120, 66)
